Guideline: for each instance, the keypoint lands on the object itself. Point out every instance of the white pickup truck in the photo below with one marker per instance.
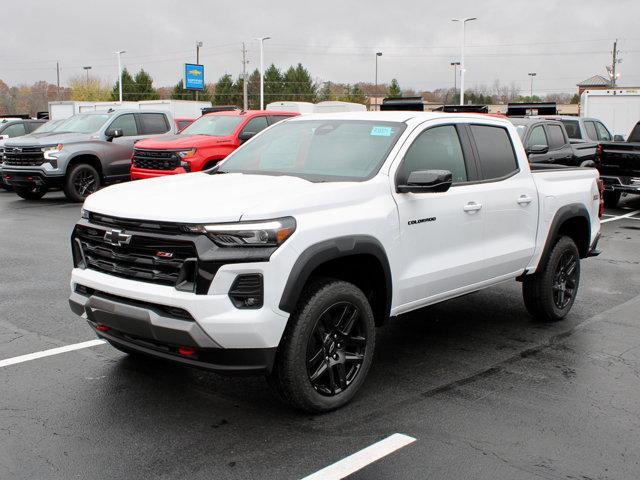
(284, 258)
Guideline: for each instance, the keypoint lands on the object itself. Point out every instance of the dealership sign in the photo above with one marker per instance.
(193, 76)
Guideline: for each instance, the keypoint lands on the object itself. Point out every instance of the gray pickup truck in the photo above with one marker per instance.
(81, 154)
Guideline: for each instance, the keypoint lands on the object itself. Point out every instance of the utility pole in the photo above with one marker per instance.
(198, 45)
(261, 40)
(462, 66)
(245, 96)
(615, 61)
(58, 77)
(118, 53)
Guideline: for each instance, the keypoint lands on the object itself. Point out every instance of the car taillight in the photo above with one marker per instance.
(599, 153)
(601, 192)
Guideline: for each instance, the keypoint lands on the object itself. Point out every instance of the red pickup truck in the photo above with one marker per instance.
(202, 144)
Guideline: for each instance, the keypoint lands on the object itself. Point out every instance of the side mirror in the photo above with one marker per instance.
(244, 136)
(537, 149)
(113, 133)
(423, 181)
(618, 138)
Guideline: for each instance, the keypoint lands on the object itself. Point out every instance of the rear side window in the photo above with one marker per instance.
(255, 125)
(126, 123)
(573, 129)
(603, 133)
(497, 158)
(437, 148)
(278, 118)
(556, 137)
(15, 130)
(182, 124)
(591, 131)
(537, 137)
(154, 123)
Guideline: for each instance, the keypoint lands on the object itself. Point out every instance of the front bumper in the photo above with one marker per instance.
(28, 178)
(164, 332)
(140, 173)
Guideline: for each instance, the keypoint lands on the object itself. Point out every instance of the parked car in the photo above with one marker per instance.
(283, 259)
(619, 165)
(82, 153)
(546, 141)
(11, 128)
(584, 129)
(202, 144)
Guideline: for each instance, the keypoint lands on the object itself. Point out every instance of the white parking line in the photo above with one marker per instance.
(619, 217)
(48, 353)
(361, 459)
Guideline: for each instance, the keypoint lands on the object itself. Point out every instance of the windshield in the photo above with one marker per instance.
(320, 150)
(214, 125)
(50, 126)
(83, 123)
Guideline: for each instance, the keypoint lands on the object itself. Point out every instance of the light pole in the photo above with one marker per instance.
(118, 53)
(375, 91)
(532, 74)
(462, 67)
(261, 40)
(86, 69)
(455, 76)
(198, 45)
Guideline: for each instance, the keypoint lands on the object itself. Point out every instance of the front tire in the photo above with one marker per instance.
(30, 193)
(550, 292)
(82, 180)
(327, 348)
(611, 199)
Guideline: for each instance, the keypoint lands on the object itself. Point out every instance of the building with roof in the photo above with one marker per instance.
(597, 82)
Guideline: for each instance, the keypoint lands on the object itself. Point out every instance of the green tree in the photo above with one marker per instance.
(179, 92)
(143, 87)
(273, 85)
(92, 90)
(575, 99)
(128, 87)
(394, 89)
(226, 92)
(298, 85)
(356, 95)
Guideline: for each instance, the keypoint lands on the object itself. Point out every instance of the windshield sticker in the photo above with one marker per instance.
(381, 132)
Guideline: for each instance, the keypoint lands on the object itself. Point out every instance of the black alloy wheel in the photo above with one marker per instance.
(85, 183)
(336, 349)
(565, 280)
(82, 180)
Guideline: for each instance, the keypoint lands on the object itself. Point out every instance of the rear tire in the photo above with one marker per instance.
(31, 193)
(81, 181)
(550, 292)
(611, 199)
(327, 348)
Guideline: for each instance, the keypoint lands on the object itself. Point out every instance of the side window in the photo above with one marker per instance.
(537, 137)
(437, 148)
(32, 126)
(603, 133)
(278, 118)
(573, 128)
(15, 130)
(126, 123)
(153, 123)
(255, 125)
(556, 136)
(591, 131)
(497, 158)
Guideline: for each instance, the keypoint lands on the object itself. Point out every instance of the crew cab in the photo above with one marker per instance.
(284, 258)
(202, 144)
(619, 165)
(81, 154)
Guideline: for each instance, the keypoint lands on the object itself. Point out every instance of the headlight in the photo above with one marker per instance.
(187, 153)
(51, 153)
(84, 214)
(267, 233)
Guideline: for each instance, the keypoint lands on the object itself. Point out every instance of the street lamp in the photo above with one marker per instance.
(86, 69)
(375, 91)
(118, 53)
(462, 67)
(198, 45)
(532, 74)
(261, 40)
(455, 76)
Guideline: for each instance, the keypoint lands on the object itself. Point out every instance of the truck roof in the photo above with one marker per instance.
(247, 113)
(399, 116)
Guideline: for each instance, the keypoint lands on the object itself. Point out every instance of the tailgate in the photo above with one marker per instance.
(620, 159)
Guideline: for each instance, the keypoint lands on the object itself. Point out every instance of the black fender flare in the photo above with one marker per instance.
(327, 250)
(564, 213)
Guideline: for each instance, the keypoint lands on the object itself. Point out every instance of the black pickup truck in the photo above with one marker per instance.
(619, 165)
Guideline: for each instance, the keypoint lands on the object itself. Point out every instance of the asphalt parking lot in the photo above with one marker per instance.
(486, 391)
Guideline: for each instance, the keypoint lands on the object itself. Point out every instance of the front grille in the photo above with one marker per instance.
(156, 159)
(23, 156)
(137, 225)
(145, 258)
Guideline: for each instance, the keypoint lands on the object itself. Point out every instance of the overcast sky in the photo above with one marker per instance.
(563, 41)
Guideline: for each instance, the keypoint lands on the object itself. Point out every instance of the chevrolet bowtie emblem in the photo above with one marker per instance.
(116, 237)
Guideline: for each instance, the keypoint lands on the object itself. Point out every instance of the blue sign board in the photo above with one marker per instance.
(193, 76)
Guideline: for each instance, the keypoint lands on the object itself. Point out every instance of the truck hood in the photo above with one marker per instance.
(182, 141)
(43, 139)
(204, 198)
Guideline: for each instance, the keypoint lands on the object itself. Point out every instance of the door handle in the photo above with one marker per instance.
(525, 200)
(472, 207)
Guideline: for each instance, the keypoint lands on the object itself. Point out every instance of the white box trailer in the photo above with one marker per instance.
(177, 108)
(298, 107)
(321, 107)
(618, 109)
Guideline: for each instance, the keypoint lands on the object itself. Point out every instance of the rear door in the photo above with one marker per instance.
(560, 150)
(510, 204)
(538, 136)
(119, 153)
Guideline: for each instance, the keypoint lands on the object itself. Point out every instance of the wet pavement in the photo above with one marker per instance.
(487, 391)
